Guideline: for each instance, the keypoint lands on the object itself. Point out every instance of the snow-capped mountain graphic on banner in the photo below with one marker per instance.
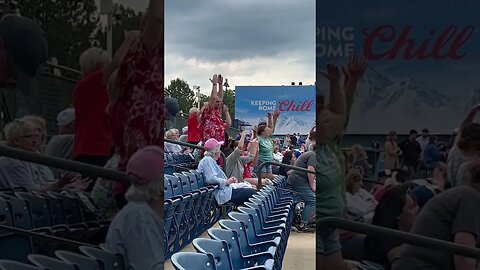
(295, 103)
(288, 125)
(422, 69)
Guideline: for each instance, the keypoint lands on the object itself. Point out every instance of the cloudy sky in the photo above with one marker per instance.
(250, 42)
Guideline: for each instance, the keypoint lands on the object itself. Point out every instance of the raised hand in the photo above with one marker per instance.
(276, 113)
(225, 108)
(214, 79)
(332, 73)
(356, 66)
(220, 79)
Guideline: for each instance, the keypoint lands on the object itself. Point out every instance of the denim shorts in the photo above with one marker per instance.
(266, 169)
(328, 241)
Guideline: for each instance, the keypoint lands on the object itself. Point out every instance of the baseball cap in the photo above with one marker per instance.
(25, 42)
(297, 153)
(172, 108)
(422, 195)
(247, 138)
(210, 144)
(66, 117)
(145, 165)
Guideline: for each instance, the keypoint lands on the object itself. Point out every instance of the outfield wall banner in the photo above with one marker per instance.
(423, 61)
(296, 104)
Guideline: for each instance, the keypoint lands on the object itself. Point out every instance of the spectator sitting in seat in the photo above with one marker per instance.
(184, 136)
(289, 158)
(396, 210)
(240, 156)
(61, 145)
(15, 173)
(173, 134)
(360, 203)
(226, 191)
(136, 232)
(451, 216)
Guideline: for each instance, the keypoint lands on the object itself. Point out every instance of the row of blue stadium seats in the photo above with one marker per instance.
(91, 259)
(181, 159)
(253, 238)
(49, 213)
(189, 209)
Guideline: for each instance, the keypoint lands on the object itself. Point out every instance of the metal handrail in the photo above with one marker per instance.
(43, 236)
(259, 170)
(409, 238)
(224, 165)
(69, 165)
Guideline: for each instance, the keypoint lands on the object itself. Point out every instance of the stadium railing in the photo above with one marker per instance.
(409, 238)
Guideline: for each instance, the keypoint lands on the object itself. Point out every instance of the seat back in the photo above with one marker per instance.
(82, 262)
(20, 212)
(192, 179)
(5, 213)
(39, 208)
(13, 265)
(176, 184)
(231, 243)
(193, 260)
(185, 183)
(167, 187)
(108, 259)
(49, 262)
(219, 249)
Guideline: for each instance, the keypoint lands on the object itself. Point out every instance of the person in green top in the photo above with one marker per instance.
(265, 143)
(331, 123)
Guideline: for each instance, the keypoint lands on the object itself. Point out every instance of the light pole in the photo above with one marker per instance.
(198, 95)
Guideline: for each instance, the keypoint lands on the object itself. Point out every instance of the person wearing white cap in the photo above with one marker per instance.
(226, 190)
(61, 145)
(184, 136)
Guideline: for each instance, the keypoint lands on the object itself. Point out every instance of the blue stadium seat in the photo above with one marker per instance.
(235, 248)
(82, 262)
(192, 260)
(49, 262)
(109, 261)
(14, 265)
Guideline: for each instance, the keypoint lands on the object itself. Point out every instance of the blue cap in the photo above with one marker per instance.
(422, 195)
(297, 153)
(247, 138)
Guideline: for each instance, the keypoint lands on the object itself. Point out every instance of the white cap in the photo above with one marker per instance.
(184, 130)
(66, 117)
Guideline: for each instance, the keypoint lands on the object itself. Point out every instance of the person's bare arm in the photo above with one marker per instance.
(213, 94)
(153, 31)
(220, 87)
(228, 118)
(465, 263)
(337, 111)
(119, 55)
(241, 143)
(353, 74)
(311, 178)
(276, 114)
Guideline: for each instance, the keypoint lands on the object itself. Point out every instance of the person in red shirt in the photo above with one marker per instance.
(194, 132)
(93, 134)
(211, 122)
(138, 111)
